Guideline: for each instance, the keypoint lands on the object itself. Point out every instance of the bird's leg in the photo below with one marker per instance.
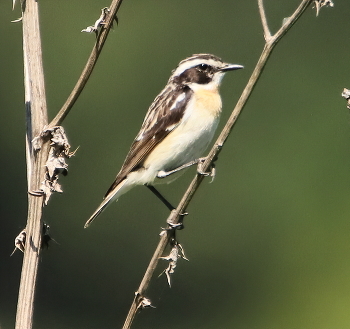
(163, 174)
(161, 198)
(169, 206)
(199, 162)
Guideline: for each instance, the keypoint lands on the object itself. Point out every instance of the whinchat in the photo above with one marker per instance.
(177, 129)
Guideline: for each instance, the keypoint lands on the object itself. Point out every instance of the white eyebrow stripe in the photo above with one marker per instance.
(191, 63)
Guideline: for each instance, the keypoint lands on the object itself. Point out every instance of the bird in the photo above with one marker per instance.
(177, 128)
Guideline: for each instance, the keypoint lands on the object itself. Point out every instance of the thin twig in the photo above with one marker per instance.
(267, 33)
(214, 152)
(95, 53)
(36, 110)
(289, 22)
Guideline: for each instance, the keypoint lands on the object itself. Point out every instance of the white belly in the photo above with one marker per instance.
(190, 138)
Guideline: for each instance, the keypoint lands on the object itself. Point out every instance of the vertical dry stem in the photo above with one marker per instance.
(36, 115)
(36, 112)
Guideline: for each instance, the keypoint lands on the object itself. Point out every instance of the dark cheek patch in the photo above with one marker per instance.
(194, 75)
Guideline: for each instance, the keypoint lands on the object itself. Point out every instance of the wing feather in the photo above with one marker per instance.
(162, 117)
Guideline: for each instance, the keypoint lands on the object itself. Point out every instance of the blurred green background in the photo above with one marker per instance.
(268, 240)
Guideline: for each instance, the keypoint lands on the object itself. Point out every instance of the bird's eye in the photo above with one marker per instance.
(203, 67)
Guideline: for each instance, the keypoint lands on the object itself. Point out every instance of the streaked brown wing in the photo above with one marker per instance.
(162, 117)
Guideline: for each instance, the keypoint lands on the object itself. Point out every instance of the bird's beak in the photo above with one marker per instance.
(231, 67)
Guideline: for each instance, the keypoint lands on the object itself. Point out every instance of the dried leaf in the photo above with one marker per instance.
(20, 241)
(144, 303)
(100, 22)
(50, 186)
(175, 254)
(47, 190)
(318, 4)
(346, 95)
(37, 143)
(46, 237)
(56, 162)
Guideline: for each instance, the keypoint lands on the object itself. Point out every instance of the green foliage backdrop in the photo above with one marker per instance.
(268, 241)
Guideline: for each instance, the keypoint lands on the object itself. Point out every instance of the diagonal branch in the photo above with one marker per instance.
(91, 62)
(213, 154)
